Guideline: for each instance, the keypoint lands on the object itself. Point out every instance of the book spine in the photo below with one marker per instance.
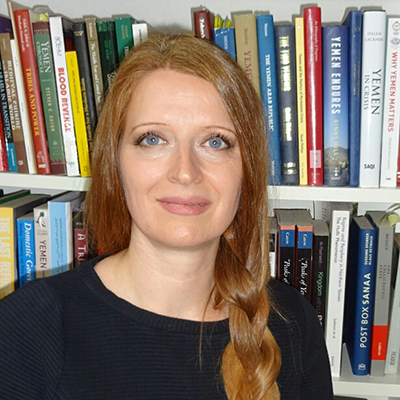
(5, 116)
(3, 151)
(354, 22)
(286, 255)
(337, 284)
(7, 252)
(44, 60)
(301, 100)
(89, 102)
(273, 246)
(95, 64)
(269, 91)
(247, 47)
(78, 111)
(287, 103)
(123, 31)
(32, 86)
(42, 241)
(12, 98)
(391, 106)
(23, 108)
(335, 95)
(202, 24)
(139, 32)
(81, 247)
(26, 250)
(108, 52)
(303, 260)
(64, 96)
(225, 38)
(314, 101)
(373, 63)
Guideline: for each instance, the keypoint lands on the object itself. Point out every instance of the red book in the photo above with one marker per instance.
(31, 80)
(398, 166)
(314, 110)
(202, 24)
(3, 152)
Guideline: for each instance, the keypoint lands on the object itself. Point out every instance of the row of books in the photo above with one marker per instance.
(54, 74)
(40, 236)
(347, 268)
(331, 93)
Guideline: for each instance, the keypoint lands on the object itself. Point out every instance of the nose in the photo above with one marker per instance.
(185, 166)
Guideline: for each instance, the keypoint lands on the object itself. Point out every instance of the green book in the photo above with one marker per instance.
(44, 60)
(123, 30)
(14, 195)
(108, 51)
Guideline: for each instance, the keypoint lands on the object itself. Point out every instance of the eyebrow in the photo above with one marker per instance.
(163, 124)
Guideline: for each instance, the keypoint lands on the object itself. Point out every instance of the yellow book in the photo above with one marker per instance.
(78, 112)
(301, 101)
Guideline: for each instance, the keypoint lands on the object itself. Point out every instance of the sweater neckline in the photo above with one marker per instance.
(142, 316)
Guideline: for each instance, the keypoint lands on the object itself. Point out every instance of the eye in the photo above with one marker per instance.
(149, 139)
(218, 142)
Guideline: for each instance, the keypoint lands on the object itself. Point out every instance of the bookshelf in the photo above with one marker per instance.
(176, 16)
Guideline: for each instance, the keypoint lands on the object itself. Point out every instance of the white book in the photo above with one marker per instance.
(393, 348)
(42, 240)
(63, 92)
(23, 108)
(339, 238)
(391, 106)
(139, 33)
(372, 84)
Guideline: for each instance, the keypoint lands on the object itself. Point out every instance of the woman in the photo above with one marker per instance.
(182, 307)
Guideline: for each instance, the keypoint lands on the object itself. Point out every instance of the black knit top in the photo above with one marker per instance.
(69, 338)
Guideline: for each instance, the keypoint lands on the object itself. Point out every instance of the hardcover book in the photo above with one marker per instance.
(269, 91)
(26, 249)
(336, 105)
(3, 151)
(225, 38)
(202, 24)
(273, 246)
(360, 287)
(42, 240)
(373, 63)
(123, 32)
(314, 97)
(139, 32)
(287, 103)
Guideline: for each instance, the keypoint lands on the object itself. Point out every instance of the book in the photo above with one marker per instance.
(360, 287)
(3, 151)
(372, 75)
(47, 78)
(14, 195)
(108, 51)
(287, 103)
(314, 97)
(247, 46)
(6, 123)
(42, 240)
(203, 24)
(336, 105)
(304, 240)
(60, 231)
(273, 245)
(123, 32)
(301, 100)
(225, 38)
(86, 82)
(391, 106)
(354, 22)
(269, 91)
(320, 248)
(5, 25)
(62, 38)
(339, 240)
(23, 108)
(9, 213)
(13, 103)
(78, 112)
(393, 347)
(32, 88)
(380, 321)
(95, 64)
(286, 246)
(139, 32)
(26, 249)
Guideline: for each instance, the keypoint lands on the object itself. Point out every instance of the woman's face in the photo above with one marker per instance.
(180, 162)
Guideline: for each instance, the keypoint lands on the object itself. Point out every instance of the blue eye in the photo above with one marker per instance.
(151, 140)
(217, 142)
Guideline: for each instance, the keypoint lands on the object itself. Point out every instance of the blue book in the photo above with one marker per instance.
(225, 38)
(287, 103)
(26, 248)
(360, 289)
(354, 22)
(336, 105)
(269, 91)
(61, 234)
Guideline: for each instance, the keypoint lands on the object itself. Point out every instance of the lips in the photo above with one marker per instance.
(185, 206)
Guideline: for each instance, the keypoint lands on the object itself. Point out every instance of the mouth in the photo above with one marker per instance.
(185, 206)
